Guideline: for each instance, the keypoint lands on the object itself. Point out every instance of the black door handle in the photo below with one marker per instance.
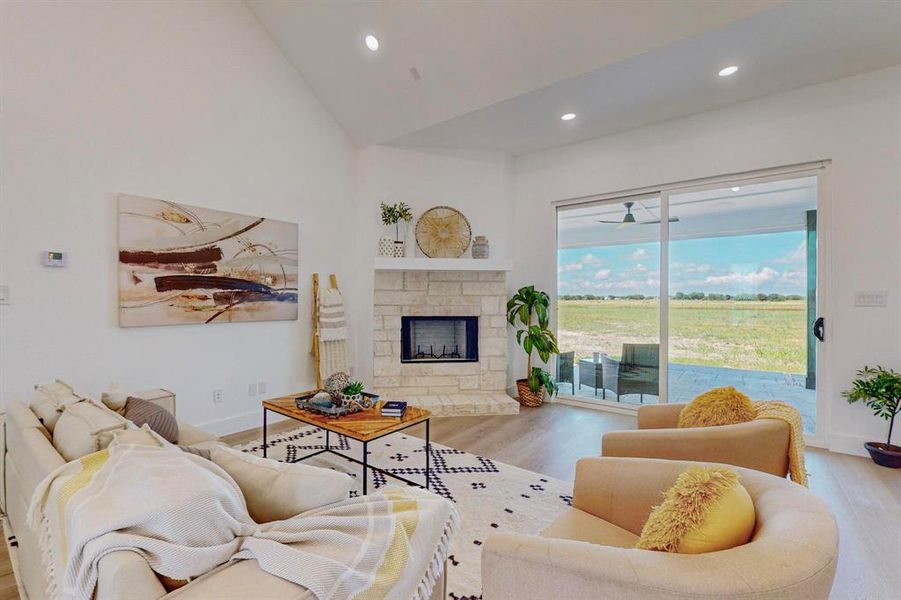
(819, 329)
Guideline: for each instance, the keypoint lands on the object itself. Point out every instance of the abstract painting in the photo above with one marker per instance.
(180, 264)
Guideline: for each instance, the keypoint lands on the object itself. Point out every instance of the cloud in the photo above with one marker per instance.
(638, 254)
(602, 274)
(798, 256)
(640, 268)
(793, 277)
(569, 267)
(690, 267)
(591, 259)
(753, 278)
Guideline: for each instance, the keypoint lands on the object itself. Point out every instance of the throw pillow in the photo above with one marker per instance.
(139, 436)
(48, 401)
(115, 397)
(275, 490)
(706, 510)
(159, 419)
(79, 430)
(719, 406)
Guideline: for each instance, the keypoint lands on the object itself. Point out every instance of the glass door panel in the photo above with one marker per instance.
(741, 274)
(608, 300)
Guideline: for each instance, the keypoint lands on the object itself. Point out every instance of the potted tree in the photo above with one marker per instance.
(393, 214)
(530, 307)
(880, 389)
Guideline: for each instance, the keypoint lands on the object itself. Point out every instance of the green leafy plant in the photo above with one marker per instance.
(353, 388)
(526, 306)
(880, 390)
(393, 214)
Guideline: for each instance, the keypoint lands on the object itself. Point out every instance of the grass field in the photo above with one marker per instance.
(765, 336)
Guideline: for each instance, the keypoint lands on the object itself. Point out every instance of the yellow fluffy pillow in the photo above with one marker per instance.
(719, 406)
(706, 510)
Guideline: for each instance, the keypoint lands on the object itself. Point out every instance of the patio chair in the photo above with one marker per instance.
(591, 374)
(565, 368)
(638, 372)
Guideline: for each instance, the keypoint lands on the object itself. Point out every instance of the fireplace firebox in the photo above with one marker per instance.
(439, 339)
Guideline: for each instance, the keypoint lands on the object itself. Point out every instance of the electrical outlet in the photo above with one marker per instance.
(870, 298)
(261, 387)
(251, 389)
(217, 396)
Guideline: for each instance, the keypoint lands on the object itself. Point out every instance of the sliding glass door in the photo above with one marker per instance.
(666, 295)
(609, 299)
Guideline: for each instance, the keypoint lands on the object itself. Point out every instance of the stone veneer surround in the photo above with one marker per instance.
(439, 293)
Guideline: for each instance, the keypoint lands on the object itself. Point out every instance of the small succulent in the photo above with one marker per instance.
(354, 388)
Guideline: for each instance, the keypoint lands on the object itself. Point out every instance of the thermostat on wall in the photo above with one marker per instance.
(54, 259)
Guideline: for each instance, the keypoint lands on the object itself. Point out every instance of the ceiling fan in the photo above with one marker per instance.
(629, 218)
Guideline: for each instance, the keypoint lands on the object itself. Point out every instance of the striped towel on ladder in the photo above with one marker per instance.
(332, 323)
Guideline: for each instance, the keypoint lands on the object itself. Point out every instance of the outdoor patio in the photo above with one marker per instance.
(687, 381)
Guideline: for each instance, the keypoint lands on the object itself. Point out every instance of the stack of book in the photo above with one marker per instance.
(394, 409)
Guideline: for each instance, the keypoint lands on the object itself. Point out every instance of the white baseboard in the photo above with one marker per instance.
(848, 444)
(242, 422)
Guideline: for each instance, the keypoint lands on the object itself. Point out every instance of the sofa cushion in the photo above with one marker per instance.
(719, 406)
(139, 436)
(575, 524)
(48, 401)
(275, 490)
(706, 510)
(188, 435)
(79, 429)
(141, 412)
(115, 397)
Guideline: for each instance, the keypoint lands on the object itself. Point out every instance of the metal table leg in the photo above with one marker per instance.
(365, 467)
(265, 445)
(428, 452)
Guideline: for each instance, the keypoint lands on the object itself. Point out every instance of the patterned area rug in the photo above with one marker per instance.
(491, 496)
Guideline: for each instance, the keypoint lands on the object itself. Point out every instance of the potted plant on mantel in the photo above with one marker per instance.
(393, 214)
(880, 389)
(526, 305)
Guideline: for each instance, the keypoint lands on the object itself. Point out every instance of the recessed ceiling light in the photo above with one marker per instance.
(372, 42)
(568, 116)
(735, 189)
(730, 70)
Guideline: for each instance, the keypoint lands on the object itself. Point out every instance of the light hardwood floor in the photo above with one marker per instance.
(866, 498)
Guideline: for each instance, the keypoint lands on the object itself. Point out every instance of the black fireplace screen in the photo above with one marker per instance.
(439, 339)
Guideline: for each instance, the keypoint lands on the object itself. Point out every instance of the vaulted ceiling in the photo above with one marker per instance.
(498, 74)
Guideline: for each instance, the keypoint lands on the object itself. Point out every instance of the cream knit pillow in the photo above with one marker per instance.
(79, 429)
(275, 490)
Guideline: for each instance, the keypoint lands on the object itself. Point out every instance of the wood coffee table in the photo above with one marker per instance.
(364, 426)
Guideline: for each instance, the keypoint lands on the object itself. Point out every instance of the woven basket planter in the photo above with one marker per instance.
(526, 396)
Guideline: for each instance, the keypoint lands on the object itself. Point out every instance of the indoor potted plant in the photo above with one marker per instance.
(393, 214)
(528, 305)
(880, 389)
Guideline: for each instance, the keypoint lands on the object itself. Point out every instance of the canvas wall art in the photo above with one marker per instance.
(181, 264)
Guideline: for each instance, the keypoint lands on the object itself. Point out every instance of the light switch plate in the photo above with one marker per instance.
(870, 298)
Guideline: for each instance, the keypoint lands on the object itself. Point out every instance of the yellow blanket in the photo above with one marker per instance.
(772, 409)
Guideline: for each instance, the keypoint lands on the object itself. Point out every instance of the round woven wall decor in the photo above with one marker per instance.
(443, 232)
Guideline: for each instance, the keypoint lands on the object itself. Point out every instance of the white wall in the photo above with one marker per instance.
(188, 101)
(476, 183)
(855, 122)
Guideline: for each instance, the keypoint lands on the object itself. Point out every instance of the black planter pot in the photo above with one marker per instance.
(884, 455)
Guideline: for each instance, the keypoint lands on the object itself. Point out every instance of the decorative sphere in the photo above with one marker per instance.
(335, 384)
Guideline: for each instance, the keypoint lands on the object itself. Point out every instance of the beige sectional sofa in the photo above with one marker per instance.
(28, 456)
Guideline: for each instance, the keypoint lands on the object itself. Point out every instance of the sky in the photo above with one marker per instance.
(747, 264)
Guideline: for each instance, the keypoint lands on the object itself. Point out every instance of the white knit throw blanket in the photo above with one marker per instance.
(185, 516)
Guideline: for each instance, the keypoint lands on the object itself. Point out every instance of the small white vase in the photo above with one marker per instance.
(398, 249)
(386, 246)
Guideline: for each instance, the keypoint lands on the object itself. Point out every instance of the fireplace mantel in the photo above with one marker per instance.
(442, 264)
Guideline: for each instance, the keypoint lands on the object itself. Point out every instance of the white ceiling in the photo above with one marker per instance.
(756, 208)
(469, 54)
(498, 74)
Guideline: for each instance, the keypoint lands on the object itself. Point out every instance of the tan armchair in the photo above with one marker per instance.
(761, 445)
(791, 556)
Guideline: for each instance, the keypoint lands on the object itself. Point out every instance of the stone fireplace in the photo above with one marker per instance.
(440, 337)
